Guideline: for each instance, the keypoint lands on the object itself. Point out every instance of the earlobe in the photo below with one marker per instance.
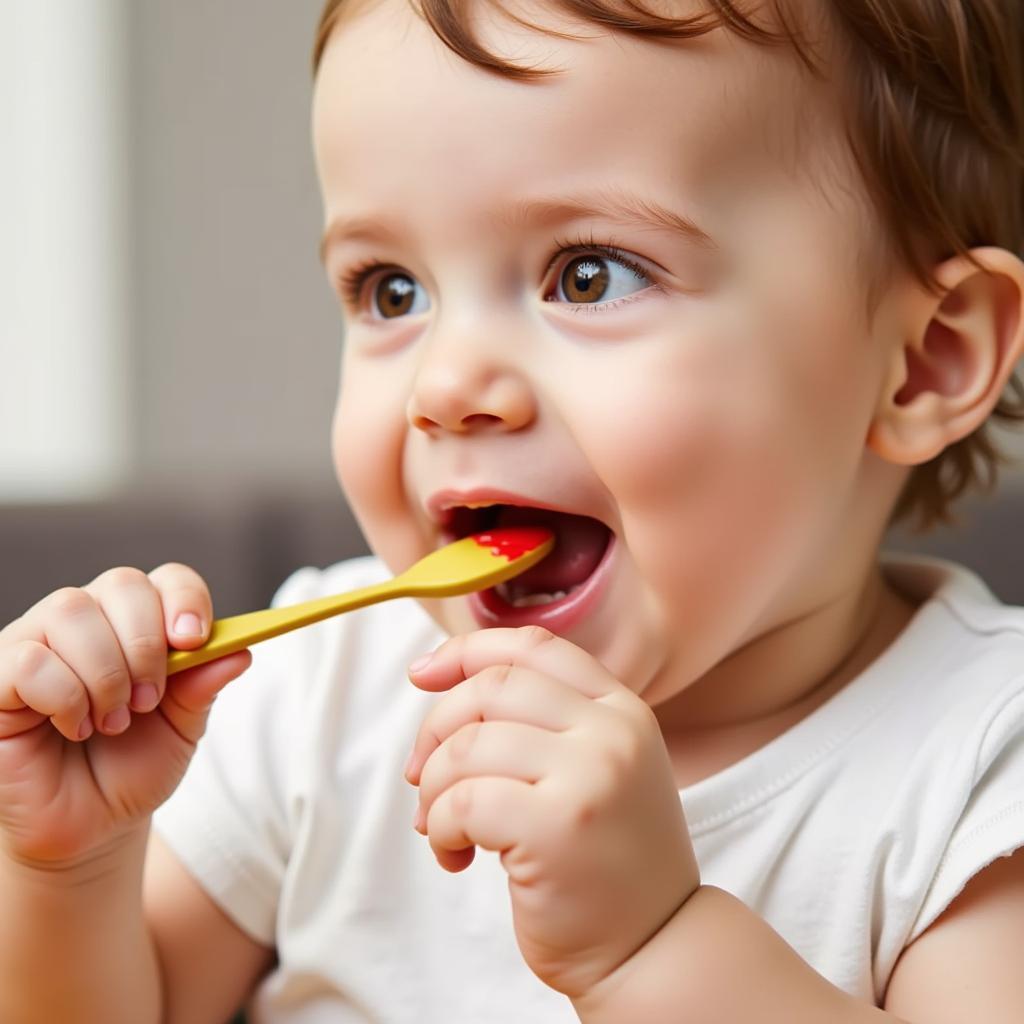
(960, 349)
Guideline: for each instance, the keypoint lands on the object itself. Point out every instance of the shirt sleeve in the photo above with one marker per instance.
(992, 822)
(228, 821)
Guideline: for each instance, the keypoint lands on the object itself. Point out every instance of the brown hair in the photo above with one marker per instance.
(936, 95)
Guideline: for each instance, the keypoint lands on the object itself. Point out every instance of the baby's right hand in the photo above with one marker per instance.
(93, 736)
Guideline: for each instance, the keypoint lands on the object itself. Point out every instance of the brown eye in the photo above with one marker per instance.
(394, 295)
(585, 279)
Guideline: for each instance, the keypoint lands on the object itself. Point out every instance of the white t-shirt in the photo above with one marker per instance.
(849, 833)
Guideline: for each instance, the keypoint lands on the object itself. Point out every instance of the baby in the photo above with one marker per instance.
(715, 293)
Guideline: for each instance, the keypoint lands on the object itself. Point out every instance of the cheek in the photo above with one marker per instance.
(715, 466)
(367, 438)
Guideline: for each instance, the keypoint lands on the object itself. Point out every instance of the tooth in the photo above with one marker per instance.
(516, 597)
(530, 600)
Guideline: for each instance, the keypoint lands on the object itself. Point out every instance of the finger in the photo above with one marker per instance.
(506, 749)
(132, 606)
(191, 693)
(493, 813)
(528, 646)
(76, 630)
(498, 692)
(33, 677)
(188, 608)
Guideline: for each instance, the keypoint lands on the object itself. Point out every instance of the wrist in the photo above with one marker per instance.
(626, 992)
(113, 860)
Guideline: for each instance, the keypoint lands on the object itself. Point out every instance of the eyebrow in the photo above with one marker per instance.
(616, 205)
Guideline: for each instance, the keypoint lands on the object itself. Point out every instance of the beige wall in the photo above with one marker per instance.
(235, 334)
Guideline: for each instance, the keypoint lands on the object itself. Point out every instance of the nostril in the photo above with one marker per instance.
(424, 423)
(475, 421)
(480, 419)
(462, 407)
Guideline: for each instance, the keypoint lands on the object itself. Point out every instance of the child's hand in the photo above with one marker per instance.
(539, 753)
(92, 735)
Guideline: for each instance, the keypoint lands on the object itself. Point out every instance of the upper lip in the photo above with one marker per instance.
(441, 502)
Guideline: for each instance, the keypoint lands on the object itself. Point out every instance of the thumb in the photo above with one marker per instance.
(190, 694)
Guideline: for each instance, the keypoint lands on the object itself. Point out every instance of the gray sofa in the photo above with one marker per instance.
(246, 546)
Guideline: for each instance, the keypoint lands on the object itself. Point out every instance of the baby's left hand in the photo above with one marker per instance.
(539, 753)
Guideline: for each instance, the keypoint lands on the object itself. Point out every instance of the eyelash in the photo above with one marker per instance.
(353, 281)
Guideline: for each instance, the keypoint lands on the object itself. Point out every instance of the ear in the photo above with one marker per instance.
(949, 370)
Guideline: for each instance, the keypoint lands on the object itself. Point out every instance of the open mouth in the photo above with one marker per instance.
(581, 544)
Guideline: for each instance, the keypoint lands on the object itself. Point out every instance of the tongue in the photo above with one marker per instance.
(579, 544)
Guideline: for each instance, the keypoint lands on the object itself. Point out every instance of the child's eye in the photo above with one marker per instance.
(603, 278)
(394, 294)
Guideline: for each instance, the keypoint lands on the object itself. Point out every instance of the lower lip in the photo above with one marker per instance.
(490, 610)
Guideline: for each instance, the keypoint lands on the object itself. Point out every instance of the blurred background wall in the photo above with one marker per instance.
(235, 329)
(170, 344)
(163, 184)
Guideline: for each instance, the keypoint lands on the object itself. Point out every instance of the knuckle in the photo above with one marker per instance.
(648, 725)
(178, 575)
(122, 576)
(584, 813)
(29, 657)
(536, 636)
(586, 820)
(589, 802)
(493, 679)
(637, 716)
(109, 684)
(69, 699)
(170, 567)
(463, 742)
(462, 795)
(623, 748)
(183, 586)
(145, 647)
(70, 602)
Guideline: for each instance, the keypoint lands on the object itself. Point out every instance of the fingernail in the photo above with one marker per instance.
(188, 624)
(117, 721)
(408, 763)
(419, 820)
(420, 663)
(144, 697)
(85, 729)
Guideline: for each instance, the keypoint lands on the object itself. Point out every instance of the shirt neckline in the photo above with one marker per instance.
(941, 586)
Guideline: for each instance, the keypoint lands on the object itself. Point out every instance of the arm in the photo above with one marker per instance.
(966, 966)
(209, 964)
(716, 962)
(83, 946)
(73, 944)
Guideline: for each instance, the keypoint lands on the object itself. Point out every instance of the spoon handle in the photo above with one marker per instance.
(477, 561)
(239, 631)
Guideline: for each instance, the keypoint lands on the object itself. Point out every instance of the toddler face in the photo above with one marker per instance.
(700, 383)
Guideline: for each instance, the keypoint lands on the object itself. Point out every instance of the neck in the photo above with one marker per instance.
(771, 683)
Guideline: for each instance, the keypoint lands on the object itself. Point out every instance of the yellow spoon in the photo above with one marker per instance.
(473, 563)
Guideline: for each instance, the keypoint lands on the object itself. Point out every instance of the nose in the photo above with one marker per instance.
(465, 386)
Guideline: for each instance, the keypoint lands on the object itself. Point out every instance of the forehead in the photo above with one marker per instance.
(703, 115)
